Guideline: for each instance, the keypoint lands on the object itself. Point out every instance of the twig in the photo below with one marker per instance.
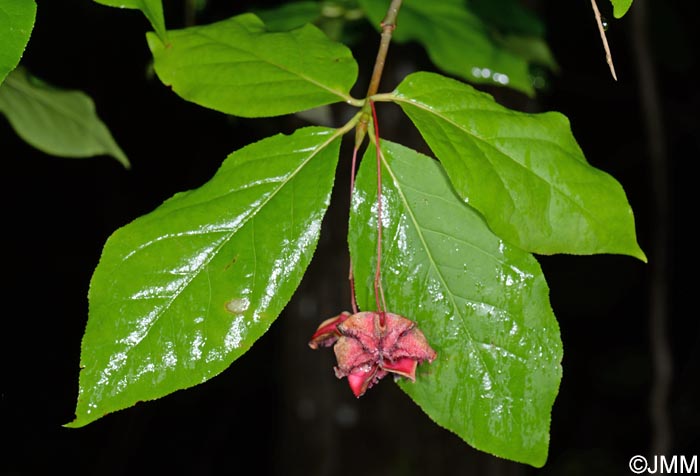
(388, 26)
(601, 28)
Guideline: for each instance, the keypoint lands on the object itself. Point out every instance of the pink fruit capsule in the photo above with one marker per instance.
(370, 345)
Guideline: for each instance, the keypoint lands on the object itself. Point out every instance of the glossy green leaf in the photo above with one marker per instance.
(237, 67)
(457, 41)
(185, 290)
(152, 9)
(620, 7)
(16, 25)
(524, 172)
(55, 121)
(482, 304)
(289, 16)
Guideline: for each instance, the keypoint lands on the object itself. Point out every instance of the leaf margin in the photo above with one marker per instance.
(459, 173)
(364, 291)
(180, 199)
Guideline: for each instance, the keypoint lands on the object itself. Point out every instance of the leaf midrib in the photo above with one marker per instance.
(343, 96)
(435, 266)
(226, 239)
(568, 198)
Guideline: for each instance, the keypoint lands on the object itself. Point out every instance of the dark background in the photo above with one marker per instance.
(279, 409)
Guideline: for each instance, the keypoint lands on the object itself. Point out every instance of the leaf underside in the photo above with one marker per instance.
(482, 304)
(289, 16)
(524, 172)
(152, 10)
(182, 292)
(58, 122)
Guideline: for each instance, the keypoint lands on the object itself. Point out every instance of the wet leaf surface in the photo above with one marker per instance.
(524, 172)
(182, 292)
(483, 306)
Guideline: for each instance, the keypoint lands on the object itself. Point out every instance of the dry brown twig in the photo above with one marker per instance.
(601, 28)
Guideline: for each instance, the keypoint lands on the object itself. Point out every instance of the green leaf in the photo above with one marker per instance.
(524, 172)
(182, 292)
(620, 7)
(16, 25)
(533, 49)
(516, 29)
(508, 16)
(55, 121)
(236, 67)
(289, 16)
(152, 9)
(457, 41)
(482, 304)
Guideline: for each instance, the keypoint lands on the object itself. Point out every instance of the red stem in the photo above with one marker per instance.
(388, 26)
(351, 277)
(378, 290)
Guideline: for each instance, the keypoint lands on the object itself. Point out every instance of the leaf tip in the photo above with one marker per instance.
(640, 255)
(635, 251)
(122, 159)
(77, 422)
(620, 10)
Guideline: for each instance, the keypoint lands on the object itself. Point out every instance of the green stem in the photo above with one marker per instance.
(348, 126)
(383, 97)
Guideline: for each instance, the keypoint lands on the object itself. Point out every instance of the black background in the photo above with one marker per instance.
(279, 409)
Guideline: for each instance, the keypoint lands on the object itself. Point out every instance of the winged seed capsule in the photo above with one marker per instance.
(370, 345)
